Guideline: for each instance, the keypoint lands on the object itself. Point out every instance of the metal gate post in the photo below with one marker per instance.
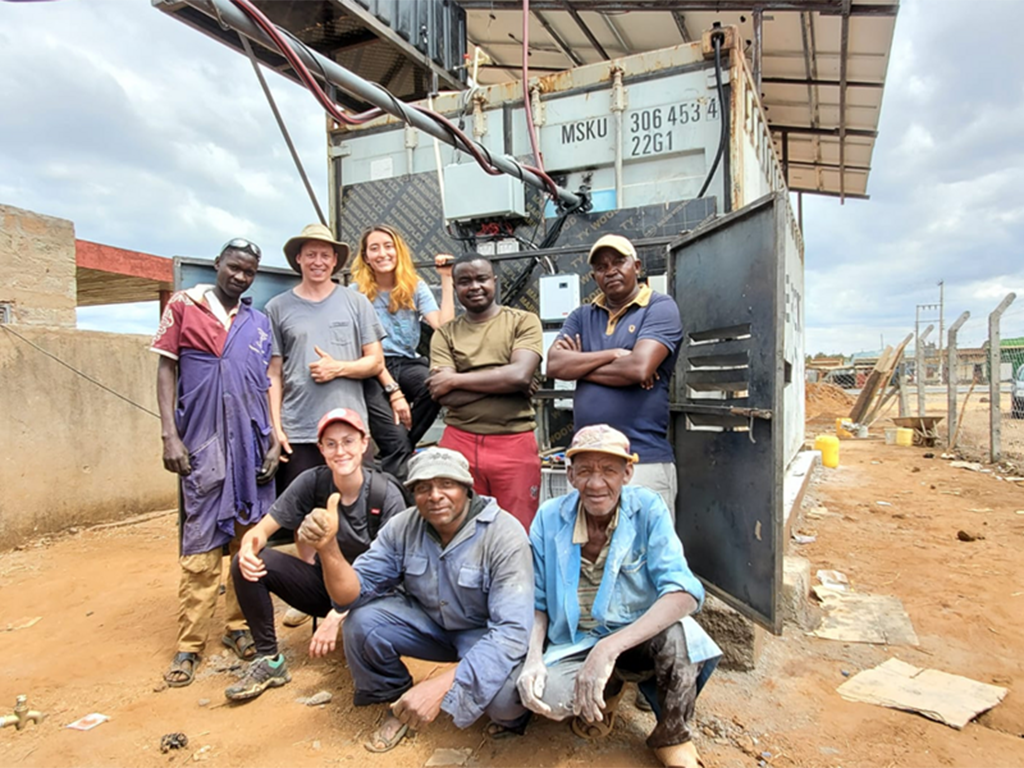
(995, 437)
(901, 383)
(920, 368)
(951, 378)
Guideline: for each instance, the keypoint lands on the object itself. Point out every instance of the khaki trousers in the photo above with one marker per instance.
(197, 595)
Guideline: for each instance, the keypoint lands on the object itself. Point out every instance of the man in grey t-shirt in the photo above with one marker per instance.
(326, 341)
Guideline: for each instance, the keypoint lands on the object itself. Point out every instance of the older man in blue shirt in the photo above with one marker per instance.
(613, 598)
(466, 574)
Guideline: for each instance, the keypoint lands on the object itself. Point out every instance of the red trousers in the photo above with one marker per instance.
(506, 467)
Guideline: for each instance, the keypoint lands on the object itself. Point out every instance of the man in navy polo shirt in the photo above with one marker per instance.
(621, 351)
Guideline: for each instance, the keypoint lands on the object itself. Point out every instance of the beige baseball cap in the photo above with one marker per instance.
(617, 243)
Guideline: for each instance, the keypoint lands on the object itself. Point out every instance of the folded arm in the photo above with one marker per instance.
(567, 360)
(514, 376)
(637, 366)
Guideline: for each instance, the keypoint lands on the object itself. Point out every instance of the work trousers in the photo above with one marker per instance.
(660, 478)
(198, 588)
(506, 467)
(661, 668)
(395, 443)
(379, 633)
(298, 583)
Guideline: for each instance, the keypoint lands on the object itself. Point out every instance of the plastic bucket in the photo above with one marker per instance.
(890, 435)
(904, 437)
(844, 428)
(829, 447)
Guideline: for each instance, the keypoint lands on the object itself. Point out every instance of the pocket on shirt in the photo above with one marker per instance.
(635, 566)
(416, 565)
(472, 577)
(342, 335)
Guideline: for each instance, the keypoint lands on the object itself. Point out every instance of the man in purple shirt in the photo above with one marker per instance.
(212, 392)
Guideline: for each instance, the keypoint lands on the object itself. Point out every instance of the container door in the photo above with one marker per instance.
(727, 420)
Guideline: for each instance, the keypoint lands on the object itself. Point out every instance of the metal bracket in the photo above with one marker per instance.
(724, 410)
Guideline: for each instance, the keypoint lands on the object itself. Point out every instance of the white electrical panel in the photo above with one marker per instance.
(469, 193)
(559, 295)
(658, 283)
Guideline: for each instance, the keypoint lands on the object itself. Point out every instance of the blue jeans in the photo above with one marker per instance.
(379, 633)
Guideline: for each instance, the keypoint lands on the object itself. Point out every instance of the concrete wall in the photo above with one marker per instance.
(74, 453)
(37, 268)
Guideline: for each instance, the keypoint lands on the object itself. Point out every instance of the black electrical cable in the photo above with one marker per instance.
(85, 376)
(519, 284)
(284, 128)
(479, 153)
(723, 137)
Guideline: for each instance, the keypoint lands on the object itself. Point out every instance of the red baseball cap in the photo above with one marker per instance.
(342, 415)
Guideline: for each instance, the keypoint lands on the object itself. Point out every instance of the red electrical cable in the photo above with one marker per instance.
(531, 129)
(332, 109)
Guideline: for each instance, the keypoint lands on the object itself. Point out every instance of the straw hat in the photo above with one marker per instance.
(315, 232)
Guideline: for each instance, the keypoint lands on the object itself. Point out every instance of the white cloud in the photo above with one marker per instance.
(151, 136)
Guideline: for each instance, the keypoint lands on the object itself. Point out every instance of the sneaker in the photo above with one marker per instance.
(293, 617)
(264, 672)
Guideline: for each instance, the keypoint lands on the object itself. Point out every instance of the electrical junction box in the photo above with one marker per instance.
(562, 404)
(469, 193)
(498, 247)
(559, 295)
(658, 283)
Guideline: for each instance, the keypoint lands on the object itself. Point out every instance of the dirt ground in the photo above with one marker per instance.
(106, 602)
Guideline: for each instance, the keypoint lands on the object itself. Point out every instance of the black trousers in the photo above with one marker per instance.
(295, 581)
(395, 444)
(303, 456)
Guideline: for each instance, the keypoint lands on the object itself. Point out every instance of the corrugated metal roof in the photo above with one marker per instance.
(823, 64)
(399, 44)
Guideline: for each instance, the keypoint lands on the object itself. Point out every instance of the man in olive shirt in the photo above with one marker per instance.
(482, 370)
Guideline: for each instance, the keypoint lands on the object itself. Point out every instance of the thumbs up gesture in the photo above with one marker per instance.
(320, 525)
(326, 368)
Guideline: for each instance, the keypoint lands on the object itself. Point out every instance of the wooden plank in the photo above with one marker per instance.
(885, 393)
(867, 394)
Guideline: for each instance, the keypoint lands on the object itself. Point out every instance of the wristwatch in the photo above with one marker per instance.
(390, 388)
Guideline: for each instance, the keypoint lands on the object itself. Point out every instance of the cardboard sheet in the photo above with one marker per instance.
(949, 699)
(857, 618)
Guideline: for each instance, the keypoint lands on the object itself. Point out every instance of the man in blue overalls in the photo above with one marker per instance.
(214, 352)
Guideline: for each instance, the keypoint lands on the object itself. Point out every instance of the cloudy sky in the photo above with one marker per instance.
(150, 136)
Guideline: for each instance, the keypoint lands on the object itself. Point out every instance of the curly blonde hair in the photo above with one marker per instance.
(406, 279)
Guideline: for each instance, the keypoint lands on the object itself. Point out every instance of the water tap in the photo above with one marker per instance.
(22, 715)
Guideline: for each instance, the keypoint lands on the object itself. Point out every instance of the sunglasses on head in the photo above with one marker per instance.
(241, 244)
